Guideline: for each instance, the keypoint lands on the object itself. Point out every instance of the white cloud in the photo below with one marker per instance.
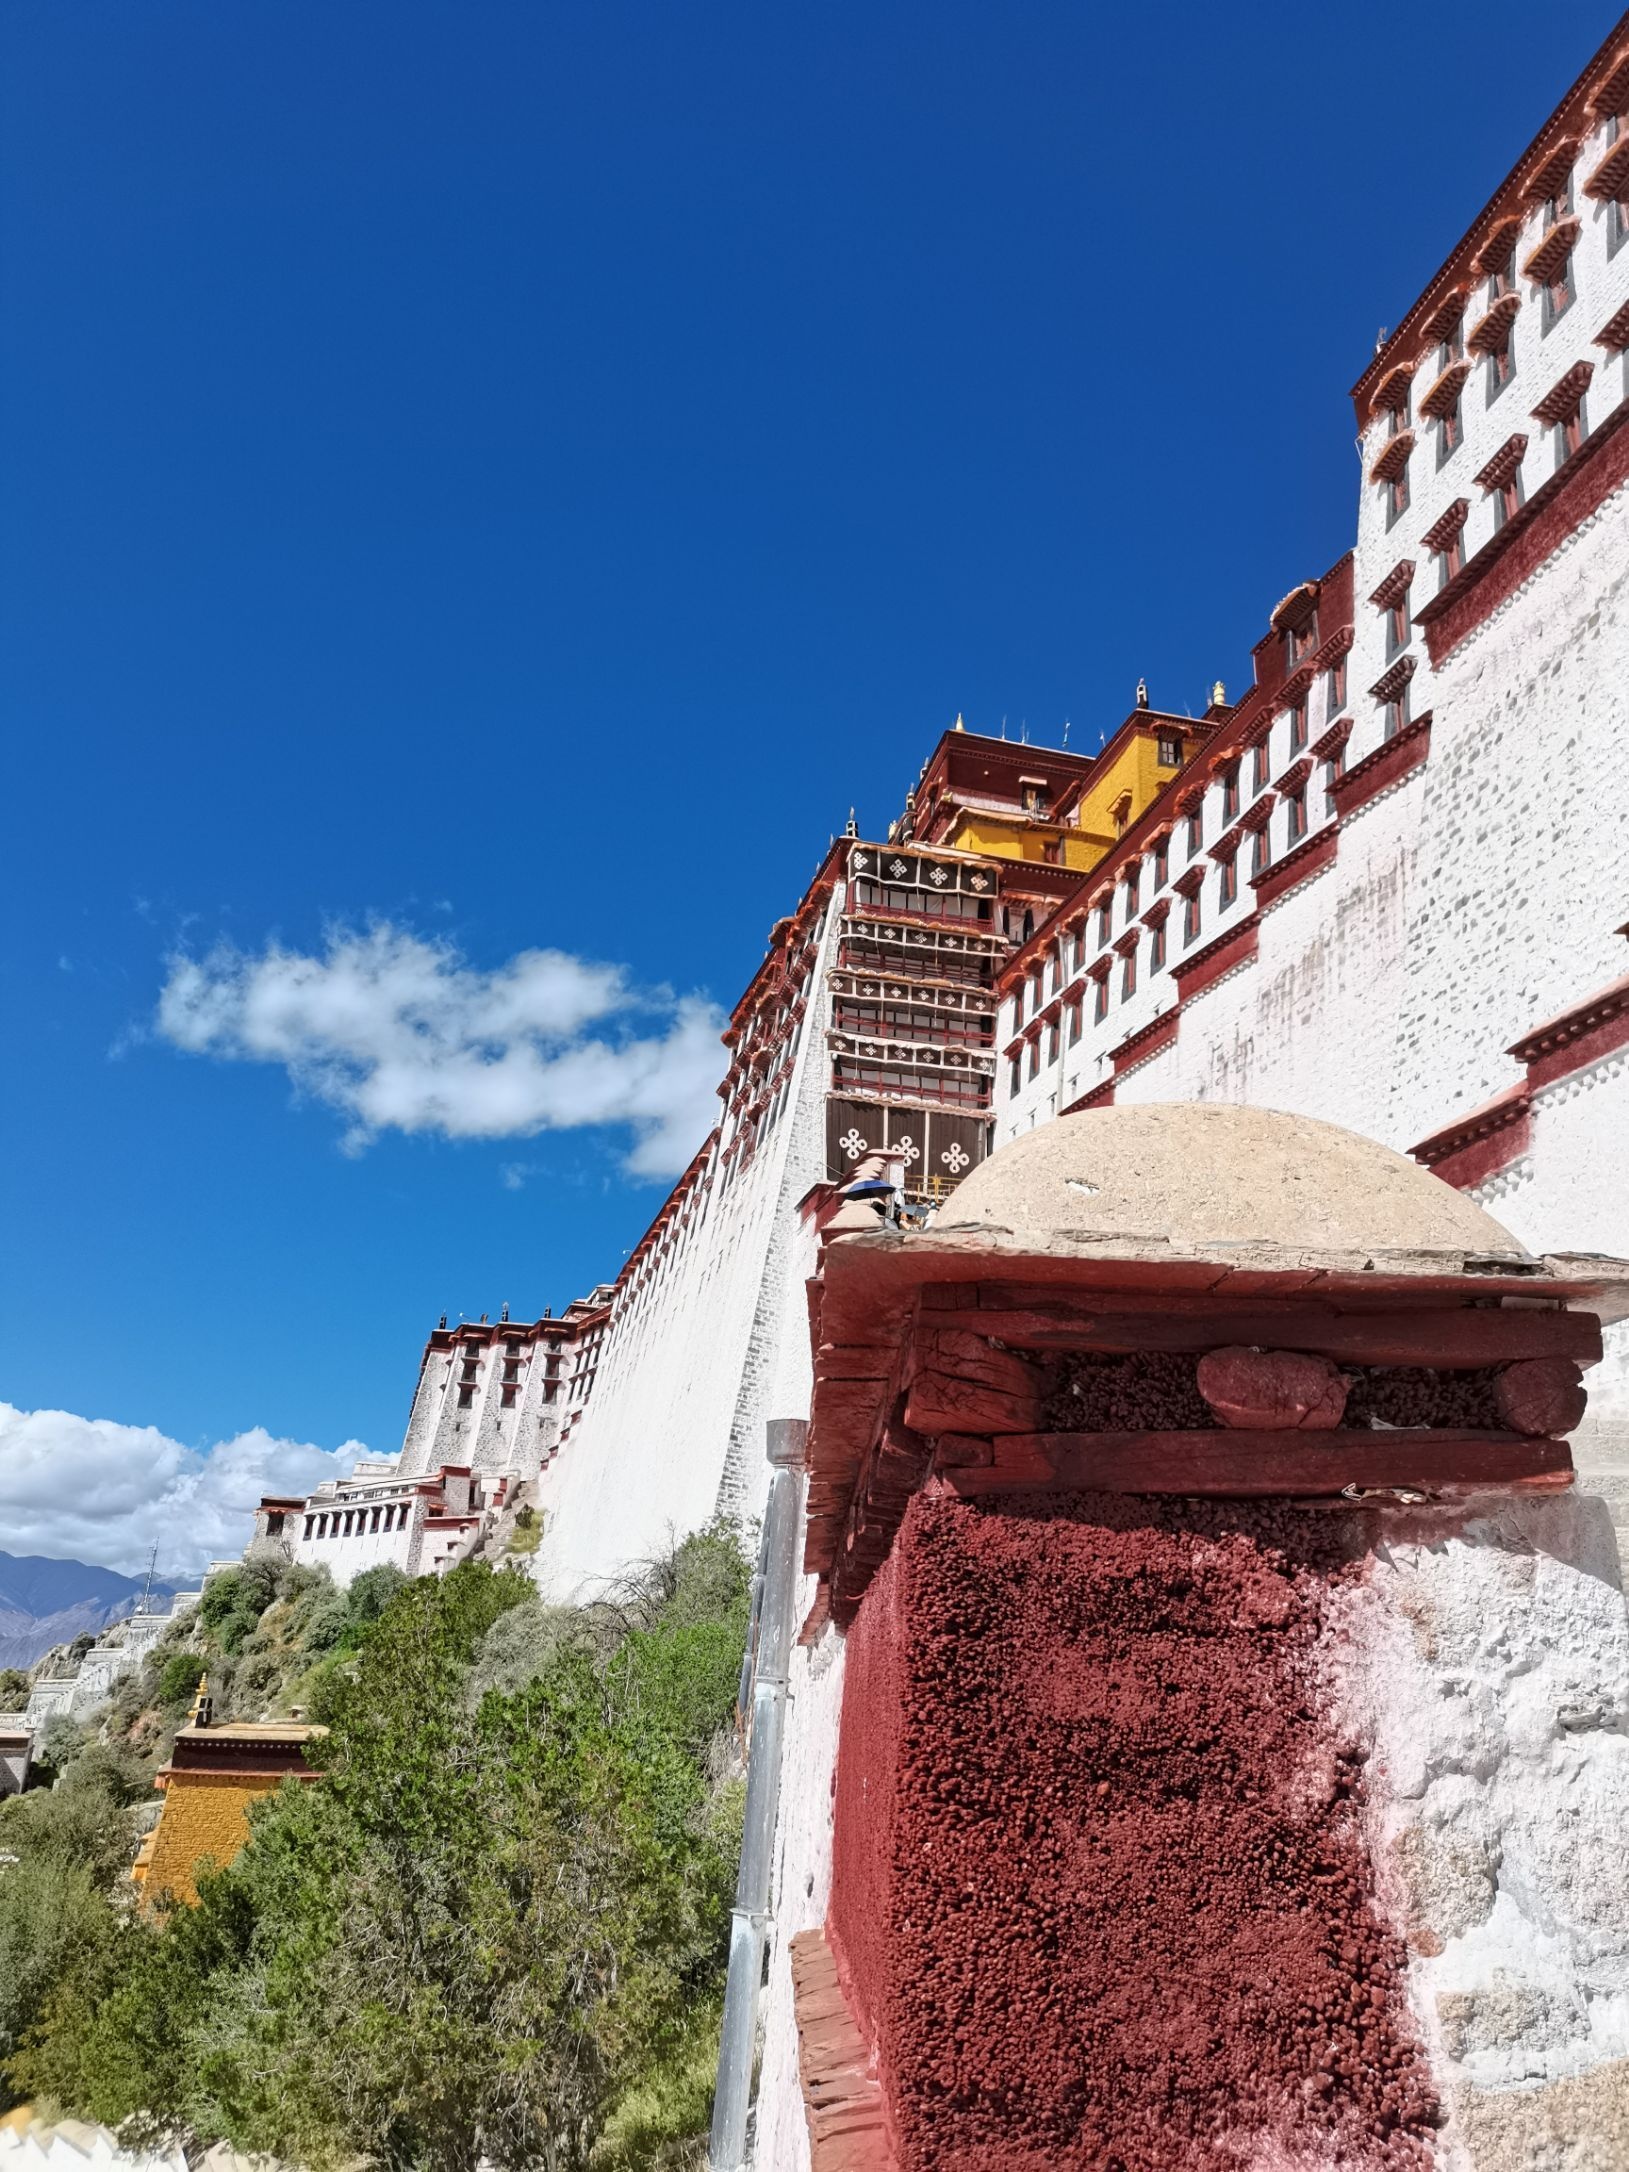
(90, 1489)
(400, 1032)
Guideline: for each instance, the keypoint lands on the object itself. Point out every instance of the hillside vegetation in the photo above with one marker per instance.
(495, 1926)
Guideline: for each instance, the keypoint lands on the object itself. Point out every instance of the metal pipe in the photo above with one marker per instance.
(749, 1922)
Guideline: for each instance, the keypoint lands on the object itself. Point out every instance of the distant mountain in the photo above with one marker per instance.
(44, 1602)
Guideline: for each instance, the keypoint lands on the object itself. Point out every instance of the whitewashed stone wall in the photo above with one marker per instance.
(802, 1887)
(691, 1362)
(1488, 1672)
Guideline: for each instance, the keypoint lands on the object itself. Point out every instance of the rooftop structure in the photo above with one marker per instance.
(216, 1772)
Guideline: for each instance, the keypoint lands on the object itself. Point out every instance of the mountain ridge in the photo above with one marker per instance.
(46, 1601)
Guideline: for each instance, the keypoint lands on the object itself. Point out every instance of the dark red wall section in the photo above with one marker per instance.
(1100, 1891)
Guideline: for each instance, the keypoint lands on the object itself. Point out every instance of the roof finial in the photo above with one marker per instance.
(1142, 693)
(1218, 695)
(853, 827)
(959, 725)
(203, 1705)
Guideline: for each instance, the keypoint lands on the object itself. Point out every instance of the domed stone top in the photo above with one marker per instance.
(1202, 1173)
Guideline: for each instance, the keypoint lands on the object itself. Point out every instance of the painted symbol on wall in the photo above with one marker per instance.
(940, 875)
(980, 882)
(896, 867)
(851, 1143)
(907, 1147)
(955, 1159)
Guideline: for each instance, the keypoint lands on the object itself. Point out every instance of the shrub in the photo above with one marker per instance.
(178, 1680)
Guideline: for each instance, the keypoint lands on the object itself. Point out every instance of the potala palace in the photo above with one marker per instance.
(1151, 1290)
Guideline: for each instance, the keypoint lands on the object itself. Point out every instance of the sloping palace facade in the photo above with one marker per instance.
(1152, 1278)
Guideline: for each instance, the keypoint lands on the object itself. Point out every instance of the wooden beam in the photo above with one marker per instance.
(1265, 1465)
(1481, 1335)
(945, 1403)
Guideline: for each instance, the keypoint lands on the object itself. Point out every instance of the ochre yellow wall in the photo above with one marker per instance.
(1136, 769)
(1017, 840)
(205, 1813)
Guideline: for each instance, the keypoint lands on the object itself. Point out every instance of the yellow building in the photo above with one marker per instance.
(1044, 804)
(214, 1774)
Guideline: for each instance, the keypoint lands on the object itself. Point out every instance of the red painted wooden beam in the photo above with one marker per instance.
(1238, 1465)
(1487, 1335)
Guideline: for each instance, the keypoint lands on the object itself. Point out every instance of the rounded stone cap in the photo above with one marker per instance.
(1210, 1172)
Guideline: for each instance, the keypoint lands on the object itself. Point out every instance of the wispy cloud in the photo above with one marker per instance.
(400, 1032)
(92, 1489)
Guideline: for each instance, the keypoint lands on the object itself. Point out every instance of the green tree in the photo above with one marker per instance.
(495, 1926)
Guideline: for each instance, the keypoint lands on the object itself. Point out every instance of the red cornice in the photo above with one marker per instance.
(1565, 394)
(1294, 777)
(1147, 1041)
(1396, 585)
(1576, 1038)
(1478, 1145)
(1310, 857)
(1544, 262)
(1391, 683)
(1532, 532)
(1442, 532)
(1392, 761)
(1234, 946)
(1333, 739)
(1473, 248)
(1099, 1098)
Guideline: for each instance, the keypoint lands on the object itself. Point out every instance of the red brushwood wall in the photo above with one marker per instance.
(1100, 1890)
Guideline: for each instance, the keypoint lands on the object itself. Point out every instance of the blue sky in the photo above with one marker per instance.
(494, 479)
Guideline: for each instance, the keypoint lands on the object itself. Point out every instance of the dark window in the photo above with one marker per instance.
(1035, 799)
(1332, 771)
(1052, 1042)
(1501, 367)
(1335, 689)
(1229, 887)
(1450, 434)
(1134, 875)
(1507, 499)
(1298, 727)
(1190, 917)
(1128, 975)
(1169, 748)
(1105, 923)
(1076, 1011)
(1162, 862)
(1569, 435)
(1230, 792)
(1196, 831)
(1258, 851)
(506, 1397)
(1397, 626)
(1297, 804)
(1259, 760)
(1450, 558)
(1034, 1055)
(1397, 711)
(1156, 947)
(1397, 496)
(1100, 998)
(466, 1396)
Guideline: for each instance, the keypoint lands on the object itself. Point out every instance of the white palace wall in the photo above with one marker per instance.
(702, 1354)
